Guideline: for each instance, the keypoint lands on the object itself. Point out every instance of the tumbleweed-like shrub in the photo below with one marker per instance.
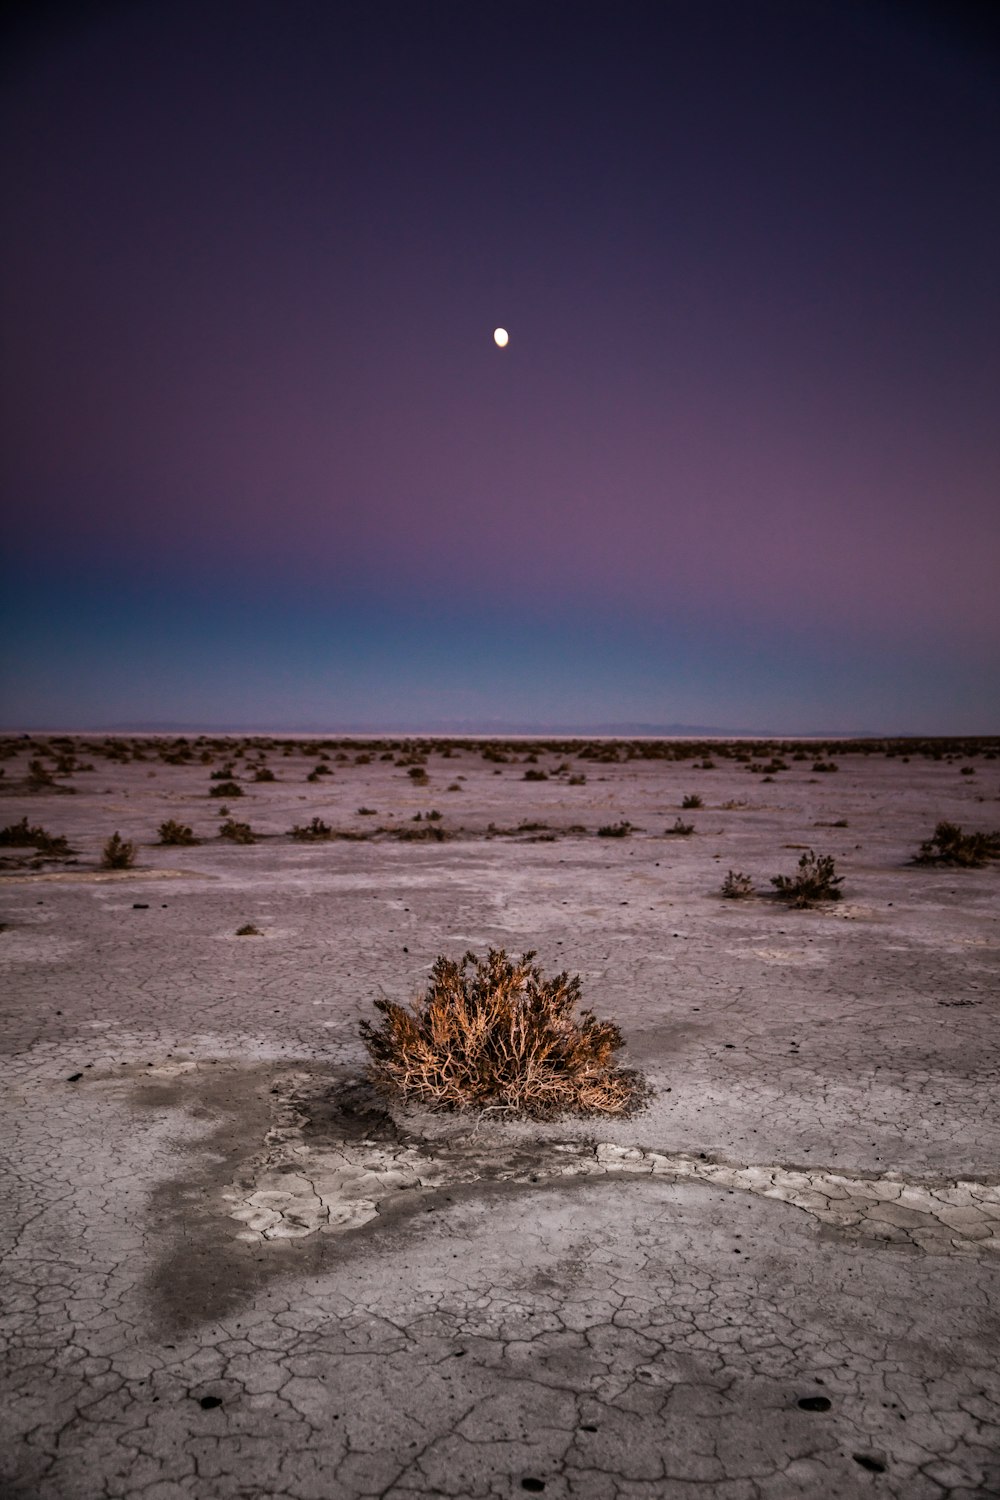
(237, 833)
(814, 880)
(494, 1033)
(118, 853)
(25, 836)
(172, 832)
(737, 886)
(950, 846)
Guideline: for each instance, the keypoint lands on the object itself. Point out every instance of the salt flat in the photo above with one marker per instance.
(229, 1270)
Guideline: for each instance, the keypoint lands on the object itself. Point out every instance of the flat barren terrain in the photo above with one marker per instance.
(230, 1269)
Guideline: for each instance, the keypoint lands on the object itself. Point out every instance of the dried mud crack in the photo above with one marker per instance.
(312, 1177)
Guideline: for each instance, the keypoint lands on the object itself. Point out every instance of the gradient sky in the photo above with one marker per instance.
(738, 466)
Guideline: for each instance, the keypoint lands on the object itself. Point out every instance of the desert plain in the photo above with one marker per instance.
(232, 1269)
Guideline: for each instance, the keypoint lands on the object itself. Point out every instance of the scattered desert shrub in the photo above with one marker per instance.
(494, 1033)
(815, 880)
(535, 776)
(680, 828)
(224, 773)
(950, 846)
(615, 830)
(367, 812)
(264, 773)
(172, 832)
(24, 836)
(411, 835)
(314, 829)
(737, 886)
(577, 781)
(825, 765)
(418, 775)
(237, 833)
(39, 775)
(248, 930)
(118, 853)
(692, 800)
(226, 789)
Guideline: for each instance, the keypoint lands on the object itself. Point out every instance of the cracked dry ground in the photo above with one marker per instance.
(229, 1271)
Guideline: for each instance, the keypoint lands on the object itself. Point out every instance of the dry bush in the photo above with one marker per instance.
(692, 800)
(620, 830)
(172, 832)
(495, 1033)
(237, 833)
(737, 886)
(950, 846)
(22, 836)
(248, 930)
(815, 880)
(311, 831)
(226, 789)
(118, 853)
(680, 828)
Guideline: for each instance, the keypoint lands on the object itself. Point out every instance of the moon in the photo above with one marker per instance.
(500, 337)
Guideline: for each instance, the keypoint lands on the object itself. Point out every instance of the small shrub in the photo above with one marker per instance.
(438, 835)
(22, 836)
(39, 775)
(950, 846)
(418, 775)
(264, 773)
(680, 828)
(433, 816)
(226, 789)
(367, 812)
(172, 832)
(248, 930)
(237, 833)
(737, 886)
(825, 765)
(692, 800)
(615, 830)
(815, 880)
(535, 775)
(577, 781)
(314, 829)
(495, 1033)
(118, 853)
(224, 773)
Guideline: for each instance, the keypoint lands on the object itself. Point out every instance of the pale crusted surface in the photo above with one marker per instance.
(416, 1305)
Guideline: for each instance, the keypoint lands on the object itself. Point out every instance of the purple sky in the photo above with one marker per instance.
(739, 465)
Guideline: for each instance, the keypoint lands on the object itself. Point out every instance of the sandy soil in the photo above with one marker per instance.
(229, 1270)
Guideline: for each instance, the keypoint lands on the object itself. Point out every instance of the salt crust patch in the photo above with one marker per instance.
(293, 1189)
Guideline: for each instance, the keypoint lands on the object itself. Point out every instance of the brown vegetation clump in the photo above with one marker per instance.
(237, 833)
(172, 832)
(950, 846)
(25, 836)
(494, 1033)
(816, 879)
(118, 853)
